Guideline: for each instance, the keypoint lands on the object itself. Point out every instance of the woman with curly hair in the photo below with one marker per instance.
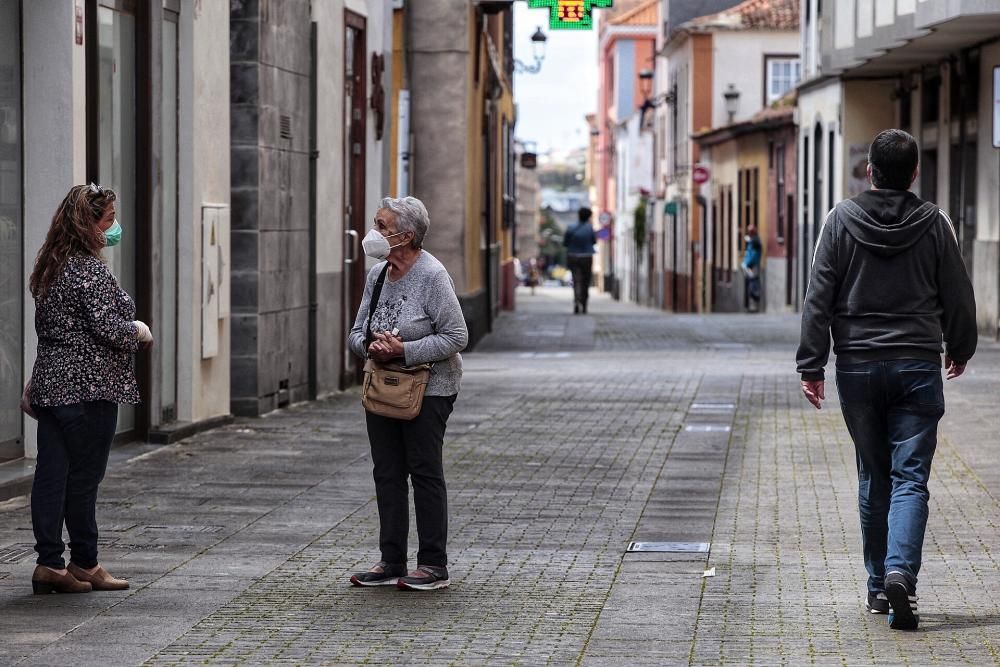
(86, 337)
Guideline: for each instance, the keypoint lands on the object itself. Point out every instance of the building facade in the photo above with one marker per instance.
(310, 151)
(925, 66)
(627, 39)
(717, 70)
(133, 96)
(753, 182)
(461, 156)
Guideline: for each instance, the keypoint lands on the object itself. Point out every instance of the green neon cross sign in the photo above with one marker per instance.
(570, 14)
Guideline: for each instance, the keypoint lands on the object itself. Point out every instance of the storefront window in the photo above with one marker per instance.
(11, 281)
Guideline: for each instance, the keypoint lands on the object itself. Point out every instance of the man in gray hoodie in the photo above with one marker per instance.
(888, 281)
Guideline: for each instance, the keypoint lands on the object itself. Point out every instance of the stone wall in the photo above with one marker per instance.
(270, 61)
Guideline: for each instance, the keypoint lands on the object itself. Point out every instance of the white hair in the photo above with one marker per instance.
(411, 216)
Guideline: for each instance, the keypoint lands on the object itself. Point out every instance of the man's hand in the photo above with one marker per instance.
(954, 369)
(815, 391)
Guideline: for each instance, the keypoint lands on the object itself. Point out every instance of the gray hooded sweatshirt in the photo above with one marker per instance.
(889, 282)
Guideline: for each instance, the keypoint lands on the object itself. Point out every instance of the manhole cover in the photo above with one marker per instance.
(707, 428)
(15, 553)
(670, 547)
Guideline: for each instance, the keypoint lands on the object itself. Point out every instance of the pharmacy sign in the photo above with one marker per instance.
(570, 14)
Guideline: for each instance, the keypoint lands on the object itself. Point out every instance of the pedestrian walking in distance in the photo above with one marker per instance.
(751, 269)
(87, 335)
(417, 320)
(579, 240)
(889, 282)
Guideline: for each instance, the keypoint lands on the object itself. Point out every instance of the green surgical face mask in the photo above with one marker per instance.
(113, 235)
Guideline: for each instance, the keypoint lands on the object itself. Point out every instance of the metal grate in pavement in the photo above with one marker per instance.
(137, 547)
(15, 553)
(712, 407)
(670, 547)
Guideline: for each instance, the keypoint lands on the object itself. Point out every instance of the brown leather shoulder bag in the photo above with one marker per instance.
(391, 390)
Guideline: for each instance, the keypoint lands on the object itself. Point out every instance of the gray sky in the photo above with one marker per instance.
(552, 103)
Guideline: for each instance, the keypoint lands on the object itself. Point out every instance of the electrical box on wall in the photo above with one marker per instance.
(214, 275)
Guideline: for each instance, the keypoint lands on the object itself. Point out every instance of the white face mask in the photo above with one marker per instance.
(377, 246)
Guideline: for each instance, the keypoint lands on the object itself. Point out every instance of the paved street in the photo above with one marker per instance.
(573, 436)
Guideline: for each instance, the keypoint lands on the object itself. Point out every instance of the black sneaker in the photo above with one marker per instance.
(389, 575)
(429, 579)
(903, 601)
(877, 603)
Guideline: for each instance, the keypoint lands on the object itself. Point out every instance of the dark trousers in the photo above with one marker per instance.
(413, 449)
(73, 446)
(892, 410)
(582, 268)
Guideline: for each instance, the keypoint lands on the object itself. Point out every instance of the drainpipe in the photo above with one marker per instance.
(313, 157)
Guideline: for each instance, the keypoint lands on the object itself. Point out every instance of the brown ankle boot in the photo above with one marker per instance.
(45, 580)
(101, 579)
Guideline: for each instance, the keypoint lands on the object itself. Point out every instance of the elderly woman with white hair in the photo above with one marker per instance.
(416, 320)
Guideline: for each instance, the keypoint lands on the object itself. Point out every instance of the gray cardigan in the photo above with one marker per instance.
(424, 307)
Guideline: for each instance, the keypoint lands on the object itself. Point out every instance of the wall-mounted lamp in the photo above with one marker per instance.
(646, 88)
(537, 51)
(732, 97)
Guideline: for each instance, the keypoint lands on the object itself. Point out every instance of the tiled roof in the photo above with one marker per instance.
(644, 14)
(754, 14)
(619, 8)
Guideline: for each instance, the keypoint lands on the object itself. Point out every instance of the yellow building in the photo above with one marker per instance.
(453, 109)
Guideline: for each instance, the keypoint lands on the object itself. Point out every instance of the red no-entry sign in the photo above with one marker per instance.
(700, 175)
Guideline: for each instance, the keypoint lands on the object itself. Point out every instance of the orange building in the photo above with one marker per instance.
(627, 46)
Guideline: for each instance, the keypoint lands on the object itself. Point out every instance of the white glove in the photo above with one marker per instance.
(145, 335)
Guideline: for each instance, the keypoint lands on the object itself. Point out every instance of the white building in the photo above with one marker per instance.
(633, 231)
(925, 66)
(135, 97)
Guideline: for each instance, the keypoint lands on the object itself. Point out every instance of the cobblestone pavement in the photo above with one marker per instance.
(572, 437)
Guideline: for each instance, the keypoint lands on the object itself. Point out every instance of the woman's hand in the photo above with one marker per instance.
(386, 347)
(144, 334)
(26, 402)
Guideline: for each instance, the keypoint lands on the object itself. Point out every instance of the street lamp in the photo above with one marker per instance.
(646, 82)
(732, 97)
(537, 51)
(646, 88)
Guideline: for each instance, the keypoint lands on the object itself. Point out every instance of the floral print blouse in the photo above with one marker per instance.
(85, 338)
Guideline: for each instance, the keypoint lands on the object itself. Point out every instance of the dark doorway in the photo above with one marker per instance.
(119, 138)
(355, 48)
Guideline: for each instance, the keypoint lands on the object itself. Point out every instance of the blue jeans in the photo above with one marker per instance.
(892, 410)
(73, 446)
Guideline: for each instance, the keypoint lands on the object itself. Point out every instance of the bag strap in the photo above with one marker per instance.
(376, 295)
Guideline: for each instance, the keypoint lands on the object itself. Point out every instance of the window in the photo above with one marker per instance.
(930, 98)
(783, 74)
(730, 251)
(749, 210)
(508, 175)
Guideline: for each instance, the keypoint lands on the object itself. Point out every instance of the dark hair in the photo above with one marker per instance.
(73, 231)
(584, 213)
(893, 157)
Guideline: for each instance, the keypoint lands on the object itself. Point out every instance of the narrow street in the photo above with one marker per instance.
(573, 437)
